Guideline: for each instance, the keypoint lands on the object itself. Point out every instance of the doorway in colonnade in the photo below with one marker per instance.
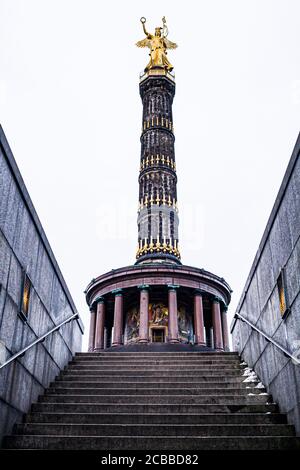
(158, 335)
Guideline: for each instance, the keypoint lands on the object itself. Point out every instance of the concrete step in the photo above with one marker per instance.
(152, 442)
(150, 378)
(156, 418)
(157, 372)
(158, 366)
(46, 407)
(72, 385)
(154, 429)
(237, 392)
(156, 360)
(153, 365)
(160, 354)
(170, 361)
(141, 367)
(156, 399)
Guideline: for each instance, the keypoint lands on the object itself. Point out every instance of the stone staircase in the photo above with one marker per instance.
(154, 401)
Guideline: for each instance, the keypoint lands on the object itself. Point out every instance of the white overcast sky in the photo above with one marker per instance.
(70, 108)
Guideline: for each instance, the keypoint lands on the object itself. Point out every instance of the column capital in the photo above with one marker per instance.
(92, 307)
(199, 292)
(173, 286)
(143, 287)
(216, 299)
(224, 308)
(117, 292)
(99, 300)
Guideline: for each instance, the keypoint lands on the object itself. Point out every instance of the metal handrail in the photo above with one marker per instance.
(39, 340)
(238, 316)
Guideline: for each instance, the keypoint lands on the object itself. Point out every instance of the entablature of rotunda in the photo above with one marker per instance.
(182, 276)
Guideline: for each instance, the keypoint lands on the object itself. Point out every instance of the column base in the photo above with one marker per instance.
(200, 343)
(143, 341)
(98, 349)
(116, 344)
(173, 341)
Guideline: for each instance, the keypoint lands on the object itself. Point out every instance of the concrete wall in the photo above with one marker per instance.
(24, 246)
(279, 248)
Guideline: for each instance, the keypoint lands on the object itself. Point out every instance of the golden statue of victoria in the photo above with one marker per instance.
(158, 45)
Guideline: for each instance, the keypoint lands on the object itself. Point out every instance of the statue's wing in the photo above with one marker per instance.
(170, 44)
(144, 43)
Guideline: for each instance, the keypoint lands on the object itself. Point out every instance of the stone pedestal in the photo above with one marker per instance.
(144, 314)
(217, 326)
(173, 320)
(118, 319)
(100, 320)
(198, 319)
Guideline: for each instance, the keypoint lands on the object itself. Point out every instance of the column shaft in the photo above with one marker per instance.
(118, 320)
(216, 321)
(199, 320)
(173, 321)
(211, 337)
(100, 320)
(92, 330)
(144, 316)
(225, 331)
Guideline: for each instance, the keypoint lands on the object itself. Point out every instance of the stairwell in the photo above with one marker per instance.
(154, 401)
